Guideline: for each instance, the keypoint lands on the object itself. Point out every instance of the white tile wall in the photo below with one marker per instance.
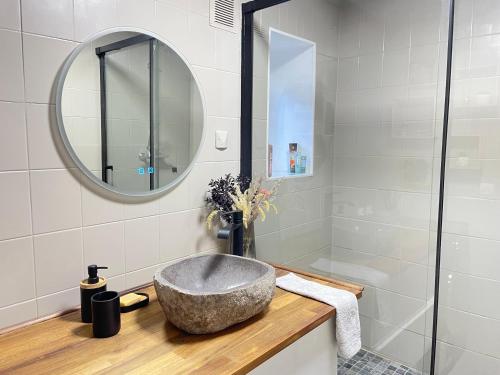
(11, 74)
(13, 149)
(73, 223)
(378, 161)
(384, 139)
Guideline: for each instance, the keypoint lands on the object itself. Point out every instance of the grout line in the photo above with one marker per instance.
(35, 286)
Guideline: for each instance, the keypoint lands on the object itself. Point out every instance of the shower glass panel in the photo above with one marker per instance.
(468, 339)
(129, 107)
(369, 212)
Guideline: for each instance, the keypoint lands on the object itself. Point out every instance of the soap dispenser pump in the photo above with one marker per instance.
(88, 287)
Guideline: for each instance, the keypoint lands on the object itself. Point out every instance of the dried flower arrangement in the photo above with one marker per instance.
(230, 193)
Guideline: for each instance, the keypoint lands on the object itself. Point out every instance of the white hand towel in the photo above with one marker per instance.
(348, 327)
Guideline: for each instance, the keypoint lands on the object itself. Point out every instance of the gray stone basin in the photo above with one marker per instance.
(208, 293)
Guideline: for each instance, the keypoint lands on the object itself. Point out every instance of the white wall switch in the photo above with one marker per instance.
(221, 139)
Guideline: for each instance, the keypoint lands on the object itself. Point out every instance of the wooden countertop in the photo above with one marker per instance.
(147, 343)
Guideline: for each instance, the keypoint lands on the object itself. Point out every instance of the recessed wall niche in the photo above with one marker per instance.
(291, 100)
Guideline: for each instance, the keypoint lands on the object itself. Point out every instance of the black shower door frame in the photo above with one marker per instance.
(248, 10)
(153, 105)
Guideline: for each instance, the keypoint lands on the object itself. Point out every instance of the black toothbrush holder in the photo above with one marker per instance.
(106, 314)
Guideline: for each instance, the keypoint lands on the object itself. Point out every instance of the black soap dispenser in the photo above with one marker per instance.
(88, 287)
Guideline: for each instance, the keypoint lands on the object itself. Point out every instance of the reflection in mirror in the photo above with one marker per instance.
(132, 112)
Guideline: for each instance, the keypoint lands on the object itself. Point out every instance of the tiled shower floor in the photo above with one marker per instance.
(366, 363)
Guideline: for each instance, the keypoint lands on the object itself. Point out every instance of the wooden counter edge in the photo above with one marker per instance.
(272, 350)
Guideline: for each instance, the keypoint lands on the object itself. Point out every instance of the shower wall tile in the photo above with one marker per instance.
(405, 174)
(387, 113)
(472, 256)
(396, 67)
(382, 206)
(450, 358)
(370, 71)
(457, 331)
(486, 17)
(74, 222)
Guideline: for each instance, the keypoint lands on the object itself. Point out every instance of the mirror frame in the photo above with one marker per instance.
(67, 144)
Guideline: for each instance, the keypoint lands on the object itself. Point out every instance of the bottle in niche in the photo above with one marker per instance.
(292, 149)
(302, 164)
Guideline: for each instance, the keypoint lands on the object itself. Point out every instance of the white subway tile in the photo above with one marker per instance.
(93, 16)
(17, 314)
(46, 17)
(383, 206)
(18, 276)
(471, 256)
(172, 24)
(203, 52)
(13, 149)
(117, 283)
(43, 57)
(424, 64)
(99, 209)
(173, 243)
(140, 277)
(396, 67)
(135, 13)
(15, 220)
(56, 200)
(471, 332)
(42, 149)
(104, 245)
(486, 17)
(58, 302)
(348, 73)
(141, 209)
(467, 293)
(142, 240)
(58, 261)
(221, 92)
(227, 50)
(370, 71)
(10, 15)
(11, 74)
(458, 361)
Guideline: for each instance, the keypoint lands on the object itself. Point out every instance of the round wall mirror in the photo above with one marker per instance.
(130, 113)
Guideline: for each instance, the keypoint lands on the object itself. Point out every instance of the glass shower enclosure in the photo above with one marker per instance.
(129, 133)
(375, 208)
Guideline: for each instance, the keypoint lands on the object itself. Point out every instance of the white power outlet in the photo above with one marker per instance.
(221, 139)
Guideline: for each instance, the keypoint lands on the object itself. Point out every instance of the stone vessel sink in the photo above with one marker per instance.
(208, 293)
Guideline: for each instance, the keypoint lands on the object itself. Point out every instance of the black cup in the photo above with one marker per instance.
(105, 314)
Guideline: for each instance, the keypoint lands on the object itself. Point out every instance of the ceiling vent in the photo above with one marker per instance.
(225, 14)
